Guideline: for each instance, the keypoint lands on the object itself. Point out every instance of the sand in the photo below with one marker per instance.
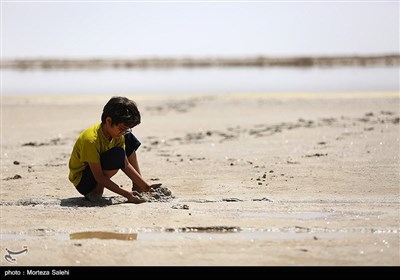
(256, 179)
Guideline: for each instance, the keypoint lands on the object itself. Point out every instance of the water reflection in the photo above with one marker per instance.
(209, 81)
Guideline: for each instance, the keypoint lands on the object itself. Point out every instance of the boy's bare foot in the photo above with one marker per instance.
(93, 197)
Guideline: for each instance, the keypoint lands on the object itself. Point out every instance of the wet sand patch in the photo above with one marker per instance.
(212, 232)
(103, 235)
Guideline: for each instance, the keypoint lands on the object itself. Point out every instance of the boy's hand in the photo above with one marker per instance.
(137, 189)
(134, 198)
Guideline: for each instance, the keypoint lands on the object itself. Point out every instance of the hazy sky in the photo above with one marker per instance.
(94, 29)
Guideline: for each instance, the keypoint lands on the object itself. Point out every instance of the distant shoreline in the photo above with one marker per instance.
(101, 98)
(389, 60)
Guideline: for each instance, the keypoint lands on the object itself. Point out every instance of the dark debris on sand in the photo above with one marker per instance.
(159, 194)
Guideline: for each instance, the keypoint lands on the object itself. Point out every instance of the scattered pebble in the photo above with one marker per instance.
(231, 199)
(181, 206)
(317, 155)
(16, 176)
(262, 199)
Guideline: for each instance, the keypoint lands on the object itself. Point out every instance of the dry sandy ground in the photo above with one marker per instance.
(257, 180)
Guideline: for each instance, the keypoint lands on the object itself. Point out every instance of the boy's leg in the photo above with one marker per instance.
(131, 145)
(111, 162)
(97, 192)
(87, 184)
(134, 162)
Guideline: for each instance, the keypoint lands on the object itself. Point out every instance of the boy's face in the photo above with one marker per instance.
(122, 129)
(117, 130)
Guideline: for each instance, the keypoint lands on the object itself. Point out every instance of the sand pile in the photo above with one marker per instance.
(156, 194)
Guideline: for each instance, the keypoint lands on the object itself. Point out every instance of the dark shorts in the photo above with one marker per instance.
(110, 160)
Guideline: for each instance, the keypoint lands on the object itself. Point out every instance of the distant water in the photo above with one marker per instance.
(208, 81)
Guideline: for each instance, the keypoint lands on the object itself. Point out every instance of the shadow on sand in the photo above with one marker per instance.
(83, 202)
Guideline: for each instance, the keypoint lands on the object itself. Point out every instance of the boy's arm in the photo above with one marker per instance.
(136, 178)
(105, 181)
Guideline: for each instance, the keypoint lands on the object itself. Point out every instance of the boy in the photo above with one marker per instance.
(101, 150)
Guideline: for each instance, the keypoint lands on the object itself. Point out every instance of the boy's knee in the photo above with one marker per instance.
(113, 159)
(131, 144)
(110, 173)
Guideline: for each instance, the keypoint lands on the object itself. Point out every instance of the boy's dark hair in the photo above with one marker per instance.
(121, 110)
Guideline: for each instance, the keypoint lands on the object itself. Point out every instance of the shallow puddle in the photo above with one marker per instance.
(248, 234)
(103, 235)
(296, 216)
(243, 235)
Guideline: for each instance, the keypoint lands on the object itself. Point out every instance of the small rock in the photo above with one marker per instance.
(262, 199)
(181, 206)
(16, 176)
(231, 199)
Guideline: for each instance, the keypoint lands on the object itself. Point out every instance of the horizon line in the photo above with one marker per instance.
(389, 59)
